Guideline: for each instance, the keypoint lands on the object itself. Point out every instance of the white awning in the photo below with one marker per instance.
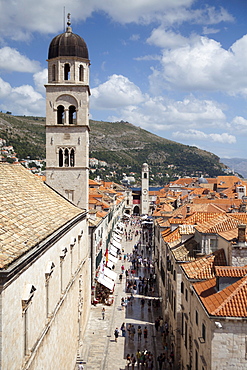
(114, 249)
(113, 252)
(110, 264)
(112, 258)
(117, 237)
(116, 244)
(104, 280)
(109, 273)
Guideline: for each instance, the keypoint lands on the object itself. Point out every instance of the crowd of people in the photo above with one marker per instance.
(140, 278)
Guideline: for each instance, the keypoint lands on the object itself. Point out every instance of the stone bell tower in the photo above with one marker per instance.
(67, 121)
(145, 189)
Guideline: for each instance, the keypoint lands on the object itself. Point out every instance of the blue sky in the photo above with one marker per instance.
(177, 68)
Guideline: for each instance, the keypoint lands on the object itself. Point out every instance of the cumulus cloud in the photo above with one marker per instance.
(12, 60)
(239, 124)
(203, 65)
(117, 92)
(19, 24)
(24, 99)
(166, 38)
(202, 136)
(40, 79)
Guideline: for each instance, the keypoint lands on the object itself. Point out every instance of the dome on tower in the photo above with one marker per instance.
(68, 44)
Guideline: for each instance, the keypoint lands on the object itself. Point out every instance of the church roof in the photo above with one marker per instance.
(30, 211)
(68, 44)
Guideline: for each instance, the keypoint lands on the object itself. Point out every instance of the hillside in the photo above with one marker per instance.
(122, 145)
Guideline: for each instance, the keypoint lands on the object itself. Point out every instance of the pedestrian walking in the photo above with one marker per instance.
(133, 360)
(128, 360)
(116, 334)
(103, 313)
(139, 332)
(123, 329)
(145, 333)
(80, 366)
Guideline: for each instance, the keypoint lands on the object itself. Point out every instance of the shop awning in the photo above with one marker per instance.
(110, 264)
(109, 273)
(113, 252)
(117, 237)
(112, 258)
(107, 282)
(116, 244)
(114, 249)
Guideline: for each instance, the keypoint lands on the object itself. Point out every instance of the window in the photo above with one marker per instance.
(196, 360)
(81, 73)
(66, 157)
(72, 115)
(66, 72)
(174, 275)
(185, 334)
(196, 317)
(186, 294)
(204, 332)
(145, 175)
(53, 72)
(60, 115)
(182, 287)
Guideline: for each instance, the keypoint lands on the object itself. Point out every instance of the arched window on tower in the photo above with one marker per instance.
(72, 158)
(53, 72)
(66, 158)
(60, 159)
(72, 115)
(145, 175)
(67, 72)
(60, 115)
(81, 73)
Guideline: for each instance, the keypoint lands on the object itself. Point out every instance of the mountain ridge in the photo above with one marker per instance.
(121, 144)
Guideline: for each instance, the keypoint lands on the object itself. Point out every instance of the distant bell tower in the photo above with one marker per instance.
(145, 189)
(67, 121)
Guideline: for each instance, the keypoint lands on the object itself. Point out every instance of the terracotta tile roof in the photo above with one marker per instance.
(181, 253)
(200, 217)
(225, 204)
(30, 211)
(226, 181)
(218, 224)
(229, 235)
(231, 271)
(240, 216)
(203, 268)
(229, 302)
(172, 236)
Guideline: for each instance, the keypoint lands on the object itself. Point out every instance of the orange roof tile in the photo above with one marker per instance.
(229, 302)
(203, 268)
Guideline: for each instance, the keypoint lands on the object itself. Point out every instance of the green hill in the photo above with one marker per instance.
(122, 145)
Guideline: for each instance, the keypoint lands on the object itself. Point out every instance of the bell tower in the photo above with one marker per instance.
(67, 122)
(145, 189)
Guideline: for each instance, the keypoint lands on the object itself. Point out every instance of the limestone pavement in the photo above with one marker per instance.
(100, 351)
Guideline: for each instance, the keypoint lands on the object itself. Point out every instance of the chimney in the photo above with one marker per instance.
(241, 233)
(188, 209)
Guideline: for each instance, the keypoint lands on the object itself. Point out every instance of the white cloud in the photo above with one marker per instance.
(47, 16)
(166, 38)
(189, 135)
(117, 92)
(40, 79)
(24, 99)
(5, 88)
(12, 60)
(204, 65)
(239, 124)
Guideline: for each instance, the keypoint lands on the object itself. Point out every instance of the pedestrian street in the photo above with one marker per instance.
(137, 307)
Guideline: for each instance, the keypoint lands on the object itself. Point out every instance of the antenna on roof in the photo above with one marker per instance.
(64, 18)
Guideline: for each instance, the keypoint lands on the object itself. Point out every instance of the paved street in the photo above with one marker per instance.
(100, 351)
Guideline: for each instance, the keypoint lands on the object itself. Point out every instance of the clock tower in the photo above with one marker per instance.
(145, 189)
(67, 122)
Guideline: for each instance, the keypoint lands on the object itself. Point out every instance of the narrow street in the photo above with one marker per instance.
(100, 350)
